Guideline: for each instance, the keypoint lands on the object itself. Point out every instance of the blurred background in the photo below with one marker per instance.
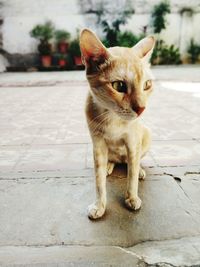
(43, 35)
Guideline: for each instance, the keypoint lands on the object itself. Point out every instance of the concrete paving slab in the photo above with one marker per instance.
(182, 172)
(52, 211)
(183, 123)
(47, 174)
(167, 73)
(176, 153)
(190, 185)
(68, 256)
(63, 135)
(21, 137)
(53, 157)
(10, 156)
(180, 252)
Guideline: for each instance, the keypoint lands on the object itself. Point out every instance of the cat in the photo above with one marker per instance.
(120, 84)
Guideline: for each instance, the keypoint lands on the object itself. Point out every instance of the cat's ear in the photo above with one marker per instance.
(144, 48)
(92, 50)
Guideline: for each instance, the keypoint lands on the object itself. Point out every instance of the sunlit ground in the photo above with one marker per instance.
(47, 179)
(193, 88)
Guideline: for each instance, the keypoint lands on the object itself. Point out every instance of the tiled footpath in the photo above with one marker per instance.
(47, 181)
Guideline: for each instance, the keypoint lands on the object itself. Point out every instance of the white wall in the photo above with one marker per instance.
(20, 16)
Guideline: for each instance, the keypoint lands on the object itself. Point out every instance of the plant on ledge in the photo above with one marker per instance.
(74, 50)
(194, 51)
(112, 30)
(43, 33)
(62, 38)
(128, 39)
(62, 60)
(164, 54)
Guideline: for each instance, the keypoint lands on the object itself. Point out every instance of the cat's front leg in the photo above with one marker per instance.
(100, 152)
(134, 154)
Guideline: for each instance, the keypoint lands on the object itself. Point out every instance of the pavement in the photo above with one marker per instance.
(47, 178)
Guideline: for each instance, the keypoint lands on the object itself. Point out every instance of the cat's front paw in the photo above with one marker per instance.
(133, 203)
(96, 211)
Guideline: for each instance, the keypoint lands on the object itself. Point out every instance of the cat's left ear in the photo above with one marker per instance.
(144, 48)
(92, 50)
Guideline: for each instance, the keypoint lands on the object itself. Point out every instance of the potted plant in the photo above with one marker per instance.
(75, 52)
(194, 51)
(43, 33)
(62, 60)
(62, 38)
(128, 39)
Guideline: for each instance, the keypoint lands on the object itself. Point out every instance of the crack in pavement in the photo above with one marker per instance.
(143, 261)
(130, 252)
(176, 178)
(178, 181)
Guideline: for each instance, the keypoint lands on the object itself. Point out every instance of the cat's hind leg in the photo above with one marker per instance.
(146, 142)
(142, 173)
(110, 167)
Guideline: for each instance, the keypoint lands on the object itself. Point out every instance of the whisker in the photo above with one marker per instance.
(94, 120)
(100, 124)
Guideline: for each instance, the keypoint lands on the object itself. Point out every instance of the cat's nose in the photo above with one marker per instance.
(138, 110)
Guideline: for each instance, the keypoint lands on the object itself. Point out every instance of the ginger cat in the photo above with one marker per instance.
(120, 83)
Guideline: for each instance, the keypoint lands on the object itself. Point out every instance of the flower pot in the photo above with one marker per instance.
(63, 47)
(46, 61)
(78, 60)
(62, 62)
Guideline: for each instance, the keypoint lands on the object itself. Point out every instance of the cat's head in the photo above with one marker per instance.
(119, 77)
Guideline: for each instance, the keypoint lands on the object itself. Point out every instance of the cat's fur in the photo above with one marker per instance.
(112, 116)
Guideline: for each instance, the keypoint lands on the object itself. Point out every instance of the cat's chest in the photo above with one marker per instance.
(116, 130)
(115, 135)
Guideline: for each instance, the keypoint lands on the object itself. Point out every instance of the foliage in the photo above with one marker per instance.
(74, 48)
(125, 39)
(159, 16)
(62, 35)
(165, 54)
(43, 32)
(61, 56)
(194, 51)
(44, 48)
(112, 29)
(128, 39)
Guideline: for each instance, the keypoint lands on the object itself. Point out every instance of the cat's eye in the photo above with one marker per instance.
(147, 85)
(120, 86)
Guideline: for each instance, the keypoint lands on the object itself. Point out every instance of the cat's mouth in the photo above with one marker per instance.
(128, 116)
(132, 114)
